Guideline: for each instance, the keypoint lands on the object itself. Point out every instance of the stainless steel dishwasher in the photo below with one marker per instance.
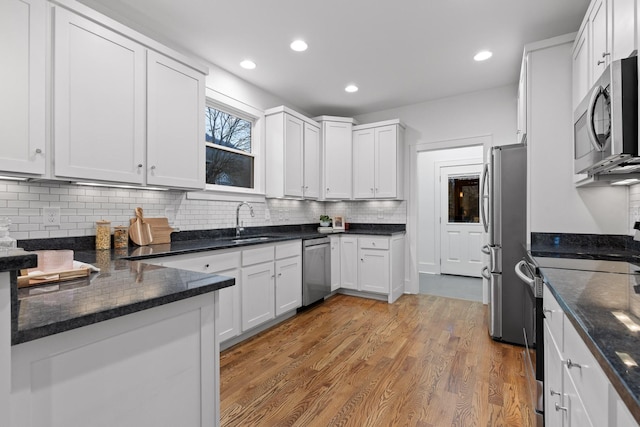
(316, 270)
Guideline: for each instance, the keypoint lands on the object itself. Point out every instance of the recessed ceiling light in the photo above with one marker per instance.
(483, 55)
(298, 45)
(248, 64)
(351, 88)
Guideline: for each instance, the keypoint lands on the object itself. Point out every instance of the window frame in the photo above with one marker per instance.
(244, 111)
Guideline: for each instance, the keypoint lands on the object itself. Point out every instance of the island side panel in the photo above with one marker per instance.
(154, 367)
(5, 343)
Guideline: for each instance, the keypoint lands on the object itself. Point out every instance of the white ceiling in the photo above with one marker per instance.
(398, 52)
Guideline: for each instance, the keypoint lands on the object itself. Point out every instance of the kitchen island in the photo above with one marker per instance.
(132, 345)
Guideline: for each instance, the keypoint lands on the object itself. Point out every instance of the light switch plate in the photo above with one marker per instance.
(51, 216)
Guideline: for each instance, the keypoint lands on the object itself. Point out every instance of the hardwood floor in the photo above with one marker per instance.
(422, 361)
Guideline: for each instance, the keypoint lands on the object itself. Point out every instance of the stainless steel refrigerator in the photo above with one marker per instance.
(504, 216)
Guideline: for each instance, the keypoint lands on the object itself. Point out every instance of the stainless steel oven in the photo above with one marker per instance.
(528, 272)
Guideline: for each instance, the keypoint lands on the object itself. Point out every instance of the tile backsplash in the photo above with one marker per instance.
(81, 206)
(634, 206)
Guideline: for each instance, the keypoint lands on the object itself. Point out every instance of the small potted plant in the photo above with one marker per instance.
(325, 220)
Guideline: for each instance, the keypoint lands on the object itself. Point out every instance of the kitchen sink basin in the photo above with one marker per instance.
(250, 239)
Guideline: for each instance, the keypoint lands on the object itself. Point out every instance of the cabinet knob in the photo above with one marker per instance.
(561, 408)
(571, 364)
(206, 266)
(38, 151)
(327, 189)
(279, 274)
(373, 243)
(362, 259)
(372, 189)
(139, 165)
(273, 276)
(153, 167)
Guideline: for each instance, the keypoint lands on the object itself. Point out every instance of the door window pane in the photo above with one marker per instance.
(464, 203)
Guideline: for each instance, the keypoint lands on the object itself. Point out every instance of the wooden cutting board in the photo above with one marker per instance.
(56, 276)
(139, 231)
(160, 229)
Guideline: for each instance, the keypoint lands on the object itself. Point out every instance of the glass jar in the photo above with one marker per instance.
(103, 234)
(120, 237)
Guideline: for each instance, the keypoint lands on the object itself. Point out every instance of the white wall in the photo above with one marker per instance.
(428, 196)
(555, 204)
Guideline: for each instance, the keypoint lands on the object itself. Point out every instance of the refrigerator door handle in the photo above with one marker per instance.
(485, 199)
(496, 262)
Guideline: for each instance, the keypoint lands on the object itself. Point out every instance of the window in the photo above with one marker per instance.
(230, 158)
(464, 202)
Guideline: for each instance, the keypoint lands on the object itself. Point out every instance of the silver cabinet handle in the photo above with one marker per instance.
(571, 364)
(139, 165)
(38, 151)
(372, 189)
(279, 274)
(153, 167)
(605, 54)
(600, 62)
(561, 408)
(546, 310)
(554, 393)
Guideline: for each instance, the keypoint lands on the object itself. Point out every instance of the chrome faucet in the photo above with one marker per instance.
(238, 228)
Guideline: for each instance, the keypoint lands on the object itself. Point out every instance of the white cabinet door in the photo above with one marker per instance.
(349, 262)
(293, 148)
(600, 54)
(335, 263)
(311, 161)
(99, 102)
(229, 320)
(336, 137)
(522, 102)
(288, 284)
(175, 125)
(373, 270)
(581, 68)
(576, 413)
(22, 85)
(386, 161)
(623, 28)
(552, 382)
(258, 295)
(364, 180)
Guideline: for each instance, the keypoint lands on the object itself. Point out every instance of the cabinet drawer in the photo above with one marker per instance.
(373, 243)
(257, 255)
(586, 375)
(553, 317)
(286, 250)
(224, 261)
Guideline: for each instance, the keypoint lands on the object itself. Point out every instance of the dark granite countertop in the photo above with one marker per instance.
(126, 283)
(16, 260)
(588, 299)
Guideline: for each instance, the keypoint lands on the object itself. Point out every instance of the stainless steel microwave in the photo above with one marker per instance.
(605, 124)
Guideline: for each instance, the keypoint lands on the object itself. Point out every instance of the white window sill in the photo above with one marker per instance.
(226, 196)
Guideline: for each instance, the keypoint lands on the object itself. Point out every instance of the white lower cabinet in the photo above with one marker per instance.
(577, 391)
(372, 265)
(268, 282)
(335, 263)
(258, 294)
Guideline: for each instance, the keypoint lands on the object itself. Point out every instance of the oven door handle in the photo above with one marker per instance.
(523, 276)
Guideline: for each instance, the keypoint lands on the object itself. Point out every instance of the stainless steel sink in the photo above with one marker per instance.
(250, 239)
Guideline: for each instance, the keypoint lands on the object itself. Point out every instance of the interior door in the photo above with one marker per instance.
(460, 227)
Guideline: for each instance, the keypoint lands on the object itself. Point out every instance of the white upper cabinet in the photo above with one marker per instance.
(600, 51)
(608, 32)
(623, 28)
(122, 111)
(175, 124)
(293, 154)
(377, 160)
(521, 118)
(22, 85)
(336, 152)
(581, 70)
(99, 102)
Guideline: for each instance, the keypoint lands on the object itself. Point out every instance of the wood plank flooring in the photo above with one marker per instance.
(423, 361)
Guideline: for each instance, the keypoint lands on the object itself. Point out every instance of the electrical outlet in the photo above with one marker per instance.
(51, 216)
